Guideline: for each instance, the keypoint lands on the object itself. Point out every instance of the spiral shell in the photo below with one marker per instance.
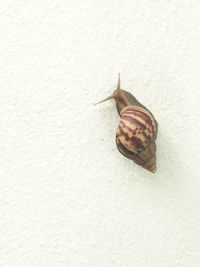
(135, 136)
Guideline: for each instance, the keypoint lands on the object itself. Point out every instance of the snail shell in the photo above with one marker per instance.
(137, 130)
(135, 137)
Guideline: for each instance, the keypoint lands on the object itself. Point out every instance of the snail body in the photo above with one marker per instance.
(137, 130)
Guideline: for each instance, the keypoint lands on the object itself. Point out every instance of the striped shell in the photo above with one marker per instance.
(135, 136)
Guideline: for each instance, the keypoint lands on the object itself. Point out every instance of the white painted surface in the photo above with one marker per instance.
(67, 197)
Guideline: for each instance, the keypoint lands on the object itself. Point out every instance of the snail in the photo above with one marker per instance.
(137, 130)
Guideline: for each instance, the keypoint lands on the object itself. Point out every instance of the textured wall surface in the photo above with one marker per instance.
(67, 197)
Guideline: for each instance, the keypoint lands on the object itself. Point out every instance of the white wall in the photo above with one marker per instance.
(67, 197)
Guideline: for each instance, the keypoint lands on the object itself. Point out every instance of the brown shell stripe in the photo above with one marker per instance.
(143, 120)
(143, 111)
(141, 117)
(126, 136)
(133, 129)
